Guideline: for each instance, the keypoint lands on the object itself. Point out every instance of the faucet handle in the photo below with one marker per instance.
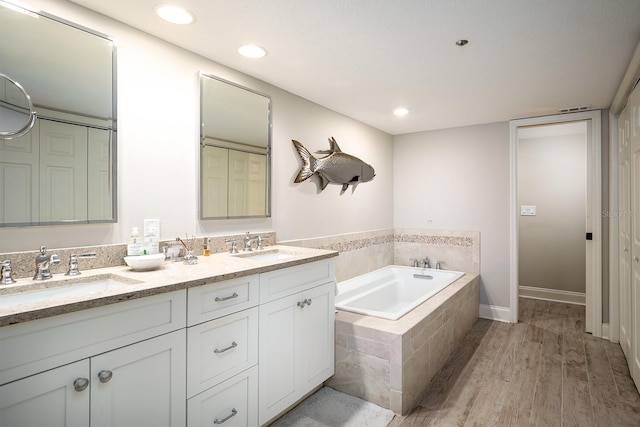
(73, 263)
(261, 240)
(6, 277)
(234, 246)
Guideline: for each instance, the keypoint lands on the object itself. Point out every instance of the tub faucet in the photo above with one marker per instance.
(5, 273)
(424, 263)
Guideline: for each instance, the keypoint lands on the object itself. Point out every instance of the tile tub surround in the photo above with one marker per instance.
(457, 250)
(389, 362)
(359, 252)
(370, 250)
(23, 263)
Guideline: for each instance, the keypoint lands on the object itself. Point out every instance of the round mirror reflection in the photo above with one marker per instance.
(17, 115)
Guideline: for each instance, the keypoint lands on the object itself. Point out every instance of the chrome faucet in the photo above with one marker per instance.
(234, 246)
(73, 263)
(261, 240)
(44, 261)
(248, 239)
(424, 263)
(6, 277)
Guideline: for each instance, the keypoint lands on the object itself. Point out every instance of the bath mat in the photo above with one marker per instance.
(331, 408)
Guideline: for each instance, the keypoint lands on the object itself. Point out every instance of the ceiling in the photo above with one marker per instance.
(363, 58)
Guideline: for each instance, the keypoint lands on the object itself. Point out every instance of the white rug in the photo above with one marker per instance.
(331, 408)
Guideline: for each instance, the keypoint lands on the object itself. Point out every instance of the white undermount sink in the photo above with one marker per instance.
(66, 289)
(273, 255)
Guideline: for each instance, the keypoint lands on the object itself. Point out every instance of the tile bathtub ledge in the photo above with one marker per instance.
(168, 278)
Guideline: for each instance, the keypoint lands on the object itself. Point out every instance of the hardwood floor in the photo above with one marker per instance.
(543, 371)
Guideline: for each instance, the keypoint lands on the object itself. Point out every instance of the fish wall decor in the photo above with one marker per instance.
(337, 167)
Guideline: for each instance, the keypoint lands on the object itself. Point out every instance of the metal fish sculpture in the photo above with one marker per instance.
(336, 167)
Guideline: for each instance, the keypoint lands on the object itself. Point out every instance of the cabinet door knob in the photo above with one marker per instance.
(233, 412)
(306, 301)
(80, 384)
(635, 259)
(105, 376)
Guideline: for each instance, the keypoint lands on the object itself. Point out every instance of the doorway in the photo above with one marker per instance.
(590, 221)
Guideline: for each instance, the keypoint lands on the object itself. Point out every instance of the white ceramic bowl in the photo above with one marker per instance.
(144, 262)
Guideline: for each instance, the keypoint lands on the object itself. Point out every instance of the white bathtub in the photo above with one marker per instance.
(391, 292)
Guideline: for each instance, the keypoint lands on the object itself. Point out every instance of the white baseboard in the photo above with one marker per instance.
(555, 295)
(605, 332)
(494, 312)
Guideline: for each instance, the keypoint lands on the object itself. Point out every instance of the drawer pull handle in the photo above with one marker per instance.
(233, 345)
(80, 384)
(302, 303)
(105, 376)
(218, 299)
(233, 413)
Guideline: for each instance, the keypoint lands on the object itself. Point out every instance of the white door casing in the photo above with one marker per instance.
(593, 322)
(624, 236)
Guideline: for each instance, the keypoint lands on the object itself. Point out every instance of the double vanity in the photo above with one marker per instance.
(233, 340)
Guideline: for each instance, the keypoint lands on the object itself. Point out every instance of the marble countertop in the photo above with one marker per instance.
(170, 276)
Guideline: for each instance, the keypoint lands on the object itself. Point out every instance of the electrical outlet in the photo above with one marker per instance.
(152, 223)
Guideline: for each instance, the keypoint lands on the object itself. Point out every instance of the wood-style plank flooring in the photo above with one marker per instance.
(543, 371)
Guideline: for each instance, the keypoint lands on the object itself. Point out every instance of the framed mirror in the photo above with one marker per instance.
(17, 115)
(235, 150)
(61, 168)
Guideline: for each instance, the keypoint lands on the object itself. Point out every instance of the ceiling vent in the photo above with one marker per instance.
(575, 109)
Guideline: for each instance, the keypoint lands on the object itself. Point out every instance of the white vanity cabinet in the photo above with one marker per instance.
(120, 364)
(296, 334)
(222, 353)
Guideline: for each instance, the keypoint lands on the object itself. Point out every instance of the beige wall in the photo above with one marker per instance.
(552, 176)
(458, 179)
(158, 111)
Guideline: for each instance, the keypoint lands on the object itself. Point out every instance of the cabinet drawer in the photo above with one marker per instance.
(211, 301)
(32, 347)
(233, 403)
(281, 283)
(221, 348)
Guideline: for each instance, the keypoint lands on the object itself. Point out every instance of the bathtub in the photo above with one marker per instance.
(391, 362)
(393, 291)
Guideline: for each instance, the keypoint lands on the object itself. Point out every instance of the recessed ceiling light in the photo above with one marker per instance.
(401, 111)
(174, 14)
(252, 51)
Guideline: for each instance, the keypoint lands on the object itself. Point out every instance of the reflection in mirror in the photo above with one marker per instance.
(17, 115)
(235, 150)
(62, 170)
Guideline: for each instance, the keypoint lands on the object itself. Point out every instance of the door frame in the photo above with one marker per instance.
(593, 288)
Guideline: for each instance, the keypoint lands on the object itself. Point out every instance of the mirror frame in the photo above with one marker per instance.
(32, 113)
(112, 129)
(202, 144)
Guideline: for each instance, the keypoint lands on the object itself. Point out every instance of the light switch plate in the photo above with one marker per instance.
(528, 210)
(152, 223)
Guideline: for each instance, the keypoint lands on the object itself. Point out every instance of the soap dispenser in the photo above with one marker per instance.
(135, 245)
(152, 242)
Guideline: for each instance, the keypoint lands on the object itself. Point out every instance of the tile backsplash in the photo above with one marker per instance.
(23, 263)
